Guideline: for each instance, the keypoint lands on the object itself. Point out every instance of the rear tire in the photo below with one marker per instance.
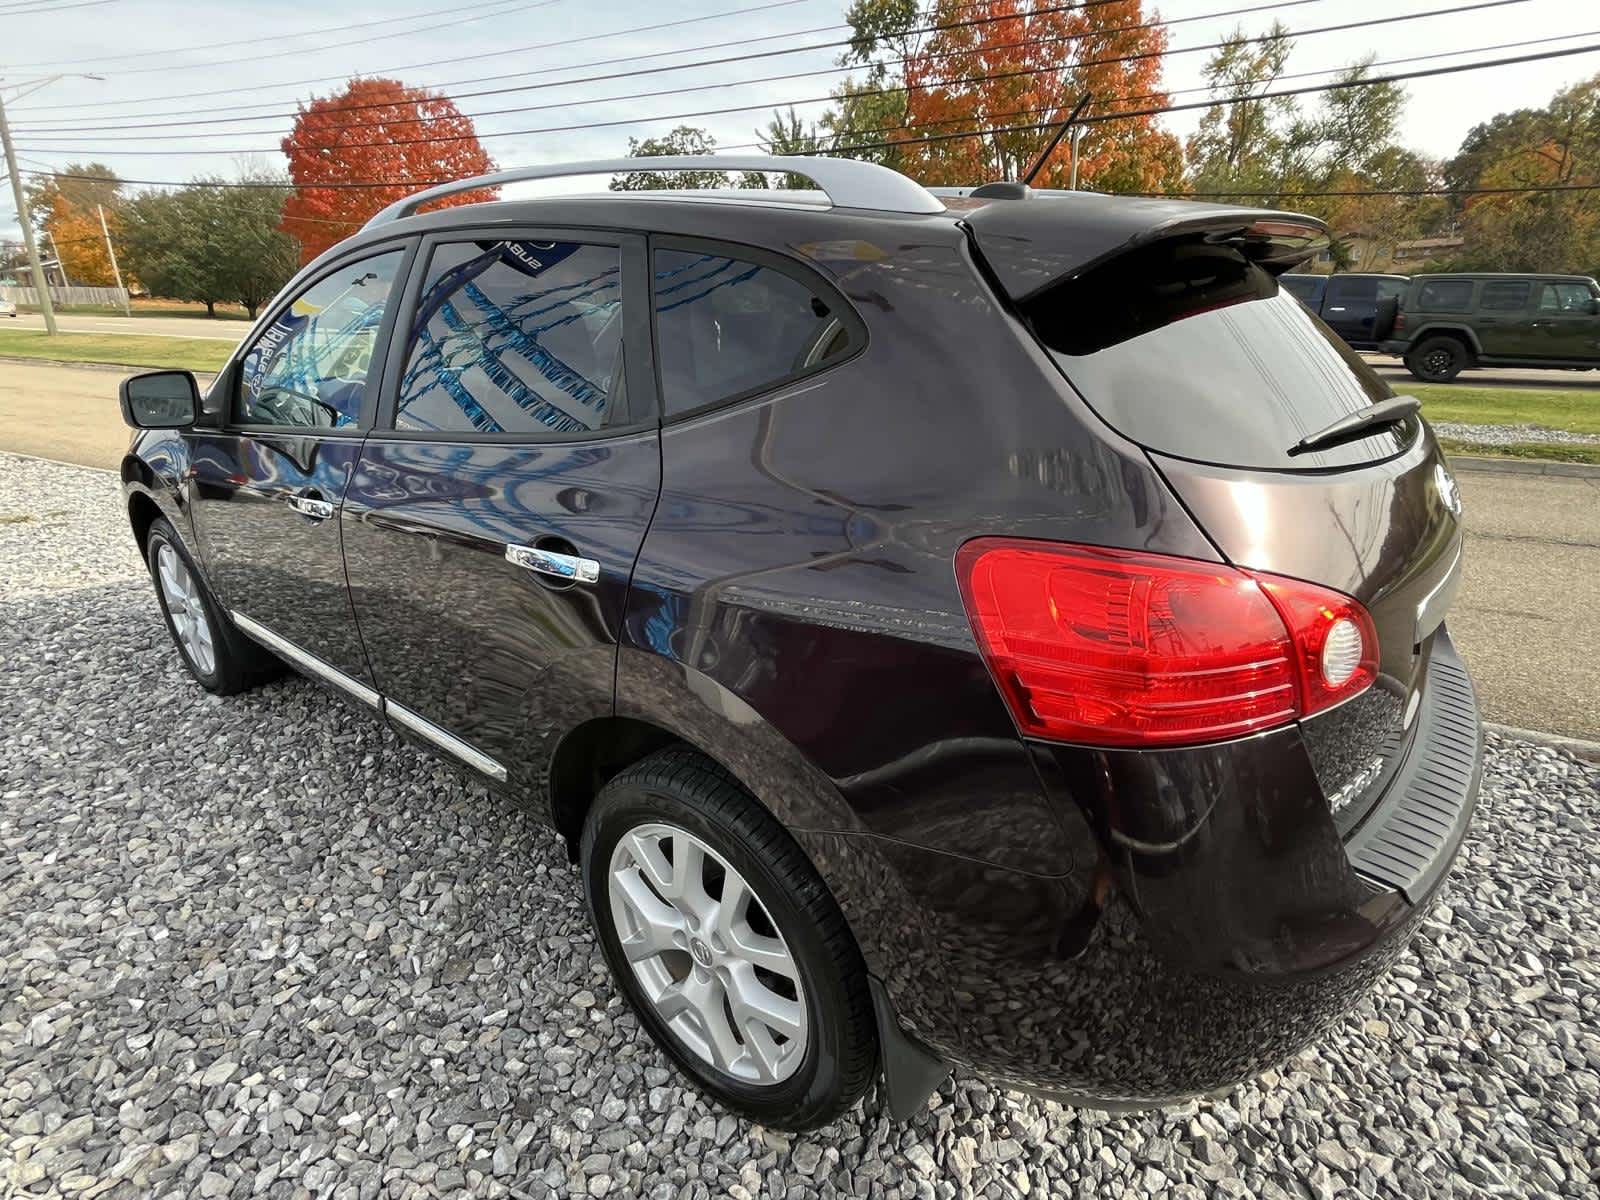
(221, 659)
(729, 927)
(1437, 359)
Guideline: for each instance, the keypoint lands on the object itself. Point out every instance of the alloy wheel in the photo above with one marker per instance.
(707, 954)
(181, 592)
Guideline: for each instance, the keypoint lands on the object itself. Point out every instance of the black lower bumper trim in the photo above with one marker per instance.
(1411, 836)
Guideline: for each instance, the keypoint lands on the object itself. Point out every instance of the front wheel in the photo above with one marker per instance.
(727, 943)
(1437, 360)
(221, 659)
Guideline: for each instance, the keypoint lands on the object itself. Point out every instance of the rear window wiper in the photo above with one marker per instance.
(1359, 424)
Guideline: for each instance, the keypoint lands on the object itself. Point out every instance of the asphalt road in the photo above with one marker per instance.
(1393, 370)
(187, 327)
(1525, 618)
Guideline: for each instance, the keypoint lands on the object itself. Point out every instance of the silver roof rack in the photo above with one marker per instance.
(848, 182)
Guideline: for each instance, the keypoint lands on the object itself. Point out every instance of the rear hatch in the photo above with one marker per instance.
(1179, 336)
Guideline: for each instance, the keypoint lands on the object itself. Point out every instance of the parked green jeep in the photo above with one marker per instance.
(1443, 324)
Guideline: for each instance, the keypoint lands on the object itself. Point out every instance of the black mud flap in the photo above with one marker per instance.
(911, 1072)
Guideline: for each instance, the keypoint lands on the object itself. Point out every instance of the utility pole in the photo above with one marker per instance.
(111, 253)
(1077, 136)
(40, 287)
(61, 267)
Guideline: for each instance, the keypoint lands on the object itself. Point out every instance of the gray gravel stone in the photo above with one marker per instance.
(258, 946)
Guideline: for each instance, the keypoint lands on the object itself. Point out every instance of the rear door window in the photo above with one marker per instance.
(1352, 291)
(1445, 295)
(728, 327)
(516, 337)
(1505, 296)
(1194, 352)
(1305, 288)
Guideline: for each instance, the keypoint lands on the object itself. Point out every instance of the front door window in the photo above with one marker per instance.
(308, 370)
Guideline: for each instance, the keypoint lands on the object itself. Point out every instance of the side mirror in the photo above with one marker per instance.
(160, 400)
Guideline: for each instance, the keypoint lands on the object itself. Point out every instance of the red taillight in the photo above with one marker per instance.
(1119, 648)
(1399, 322)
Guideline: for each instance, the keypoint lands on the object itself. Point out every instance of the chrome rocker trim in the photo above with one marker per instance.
(419, 725)
(425, 728)
(307, 661)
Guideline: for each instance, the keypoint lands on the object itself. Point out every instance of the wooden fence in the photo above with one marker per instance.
(66, 295)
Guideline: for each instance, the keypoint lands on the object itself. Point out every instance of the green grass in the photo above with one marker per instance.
(144, 308)
(195, 354)
(1549, 451)
(1576, 410)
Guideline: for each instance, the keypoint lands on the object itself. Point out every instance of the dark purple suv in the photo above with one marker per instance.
(997, 628)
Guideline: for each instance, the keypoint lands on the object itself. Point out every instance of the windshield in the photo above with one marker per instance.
(1193, 351)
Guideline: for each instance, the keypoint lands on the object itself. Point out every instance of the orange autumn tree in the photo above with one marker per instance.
(375, 129)
(68, 208)
(1001, 63)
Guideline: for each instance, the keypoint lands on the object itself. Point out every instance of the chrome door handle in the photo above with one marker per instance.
(559, 566)
(317, 510)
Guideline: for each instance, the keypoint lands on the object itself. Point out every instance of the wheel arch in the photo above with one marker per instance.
(1462, 333)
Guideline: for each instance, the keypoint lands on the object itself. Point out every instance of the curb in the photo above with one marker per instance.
(120, 368)
(1577, 747)
(1486, 465)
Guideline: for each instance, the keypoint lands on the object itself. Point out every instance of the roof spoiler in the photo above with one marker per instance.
(1033, 239)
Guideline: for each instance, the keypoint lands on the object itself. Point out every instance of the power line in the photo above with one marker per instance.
(584, 125)
(832, 45)
(1276, 4)
(395, 70)
(507, 8)
(836, 135)
(1337, 85)
(275, 37)
(52, 8)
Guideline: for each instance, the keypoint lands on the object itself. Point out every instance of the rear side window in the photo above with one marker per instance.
(1388, 288)
(1505, 296)
(1445, 295)
(516, 337)
(1193, 351)
(1565, 297)
(730, 327)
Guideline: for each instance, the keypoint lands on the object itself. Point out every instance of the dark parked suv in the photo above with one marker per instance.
(996, 628)
(1447, 323)
(1349, 303)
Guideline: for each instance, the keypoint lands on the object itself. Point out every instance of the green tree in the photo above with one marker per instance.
(685, 139)
(211, 244)
(1552, 147)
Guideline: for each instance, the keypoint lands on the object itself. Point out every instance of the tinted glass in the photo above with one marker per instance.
(725, 327)
(1195, 352)
(1565, 297)
(309, 369)
(1504, 296)
(1392, 287)
(1357, 291)
(1445, 295)
(1307, 288)
(517, 337)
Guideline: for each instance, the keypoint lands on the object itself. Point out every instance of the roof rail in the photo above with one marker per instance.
(848, 182)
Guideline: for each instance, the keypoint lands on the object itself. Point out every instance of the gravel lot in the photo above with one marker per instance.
(259, 946)
(1511, 435)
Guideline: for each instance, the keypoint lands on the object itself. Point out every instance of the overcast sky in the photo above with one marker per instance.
(255, 52)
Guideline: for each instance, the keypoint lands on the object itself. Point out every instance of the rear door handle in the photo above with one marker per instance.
(568, 567)
(310, 506)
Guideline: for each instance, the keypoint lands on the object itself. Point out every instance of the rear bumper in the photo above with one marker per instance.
(1224, 925)
(1397, 348)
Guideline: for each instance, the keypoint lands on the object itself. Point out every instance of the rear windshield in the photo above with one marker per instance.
(1191, 350)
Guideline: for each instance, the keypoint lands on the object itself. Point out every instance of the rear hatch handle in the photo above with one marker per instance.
(1359, 424)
